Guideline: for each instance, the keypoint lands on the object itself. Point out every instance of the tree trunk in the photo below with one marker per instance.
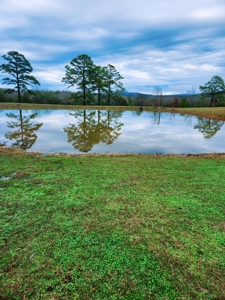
(18, 88)
(84, 95)
(109, 92)
(84, 90)
(99, 97)
(19, 95)
(212, 99)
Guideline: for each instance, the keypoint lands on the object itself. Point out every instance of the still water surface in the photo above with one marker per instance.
(92, 131)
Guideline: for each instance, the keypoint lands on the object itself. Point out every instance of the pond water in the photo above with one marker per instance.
(93, 131)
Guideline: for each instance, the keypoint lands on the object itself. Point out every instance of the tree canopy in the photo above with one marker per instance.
(19, 68)
(111, 79)
(215, 88)
(98, 82)
(88, 77)
(79, 73)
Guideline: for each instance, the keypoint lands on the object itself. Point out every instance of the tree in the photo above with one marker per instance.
(19, 68)
(192, 95)
(158, 96)
(80, 73)
(112, 78)
(98, 79)
(139, 100)
(215, 88)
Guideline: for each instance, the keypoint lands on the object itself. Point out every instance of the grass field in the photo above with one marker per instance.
(112, 227)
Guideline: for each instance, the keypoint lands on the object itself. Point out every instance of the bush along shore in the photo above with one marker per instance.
(112, 227)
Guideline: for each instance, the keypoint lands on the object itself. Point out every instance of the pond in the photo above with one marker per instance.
(95, 131)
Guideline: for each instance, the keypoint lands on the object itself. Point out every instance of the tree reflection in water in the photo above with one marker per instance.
(156, 117)
(112, 127)
(92, 128)
(208, 127)
(24, 135)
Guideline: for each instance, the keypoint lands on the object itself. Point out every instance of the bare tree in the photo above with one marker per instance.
(191, 95)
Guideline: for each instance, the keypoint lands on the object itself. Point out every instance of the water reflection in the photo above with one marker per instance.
(24, 133)
(88, 131)
(156, 117)
(112, 127)
(92, 129)
(208, 127)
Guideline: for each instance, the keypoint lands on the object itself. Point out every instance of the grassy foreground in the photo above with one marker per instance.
(112, 227)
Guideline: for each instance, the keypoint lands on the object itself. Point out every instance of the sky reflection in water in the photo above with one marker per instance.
(80, 131)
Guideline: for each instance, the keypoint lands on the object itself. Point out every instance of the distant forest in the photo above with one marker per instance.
(123, 98)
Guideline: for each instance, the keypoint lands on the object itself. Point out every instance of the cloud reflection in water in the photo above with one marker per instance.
(119, 132)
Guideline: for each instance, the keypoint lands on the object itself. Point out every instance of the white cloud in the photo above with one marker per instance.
(172, 43)
(208, 14)
(50, 76)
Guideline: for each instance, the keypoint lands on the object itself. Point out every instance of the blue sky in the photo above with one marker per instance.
(171, 45)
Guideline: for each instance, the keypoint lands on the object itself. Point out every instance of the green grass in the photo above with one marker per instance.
(112, 227)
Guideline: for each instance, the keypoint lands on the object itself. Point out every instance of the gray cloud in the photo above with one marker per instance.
(171, 44)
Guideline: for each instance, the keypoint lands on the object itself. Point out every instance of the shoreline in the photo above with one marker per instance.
(216, 113)
(20, 152)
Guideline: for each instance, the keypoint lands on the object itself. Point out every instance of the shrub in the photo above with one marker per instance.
(202, 102)
(26, 98)
(117, 99)
(174, 102)
(3, 97)
(156, 104)
(184, 102)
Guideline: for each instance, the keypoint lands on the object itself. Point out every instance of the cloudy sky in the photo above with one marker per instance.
(171, 45)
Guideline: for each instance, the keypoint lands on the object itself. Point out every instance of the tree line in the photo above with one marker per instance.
(90, 80)
(81, 72)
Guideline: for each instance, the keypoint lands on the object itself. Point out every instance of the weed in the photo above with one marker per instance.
(112, 227)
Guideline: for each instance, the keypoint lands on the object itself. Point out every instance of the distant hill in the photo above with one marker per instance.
(123, 93)
(126, 93)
